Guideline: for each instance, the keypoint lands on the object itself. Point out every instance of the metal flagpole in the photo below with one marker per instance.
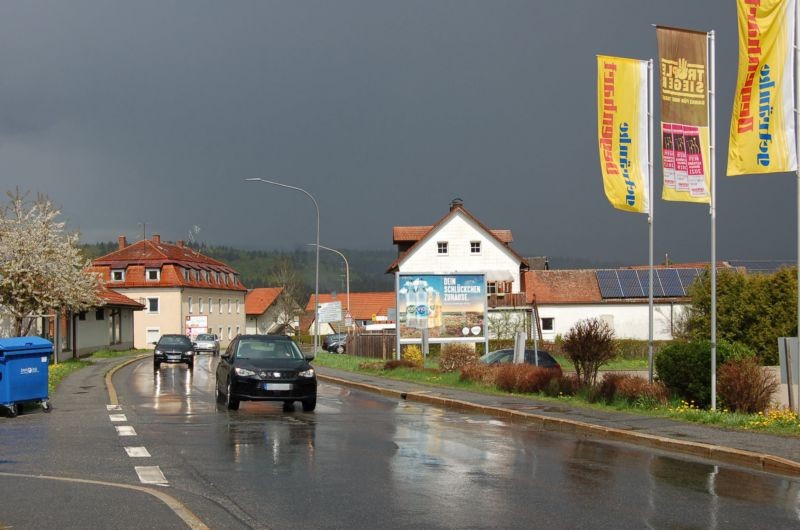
(650, 216)
(797, 156)
(713, 212)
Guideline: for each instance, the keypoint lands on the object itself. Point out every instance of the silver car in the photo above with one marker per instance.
(208, 342)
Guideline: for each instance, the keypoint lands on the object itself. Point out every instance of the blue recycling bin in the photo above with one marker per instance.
(24, 363)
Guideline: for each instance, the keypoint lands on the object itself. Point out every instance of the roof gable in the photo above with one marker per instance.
(257, 301)
(562, 287)
(362, 305)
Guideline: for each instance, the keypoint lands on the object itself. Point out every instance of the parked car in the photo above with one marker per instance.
(207, 342)
(336, 343)
(266, 368)
(173, 349)
(545, 360)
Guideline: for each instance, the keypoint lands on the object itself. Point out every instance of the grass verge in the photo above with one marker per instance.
(59, 371)
(780, 422)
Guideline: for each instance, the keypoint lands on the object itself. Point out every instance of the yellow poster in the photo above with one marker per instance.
(622, 132)
(762, 136)
(684, 114)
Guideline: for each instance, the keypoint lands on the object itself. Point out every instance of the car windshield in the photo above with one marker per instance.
(494, 356)
(268, 349)
(175, 340)
(205, 337)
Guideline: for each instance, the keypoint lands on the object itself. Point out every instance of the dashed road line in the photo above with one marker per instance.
(137, 452)
(117, 417)
(113, 407)
(125, 430)
(151, 475)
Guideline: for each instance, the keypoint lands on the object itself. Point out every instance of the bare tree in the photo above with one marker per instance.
(286, 278)
(504, 325)
(41, 267)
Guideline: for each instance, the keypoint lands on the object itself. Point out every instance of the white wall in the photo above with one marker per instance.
(629, 321)
(459, 231)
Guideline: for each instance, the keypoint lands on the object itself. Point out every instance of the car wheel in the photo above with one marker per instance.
(339, 349)
(217, 393)
(156, 366)
(190, 365)
(230, 402)
(309, 404)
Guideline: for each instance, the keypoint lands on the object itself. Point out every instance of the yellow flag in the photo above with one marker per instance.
(622, 132)
(762, 136)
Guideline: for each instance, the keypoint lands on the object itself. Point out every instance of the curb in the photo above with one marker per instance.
(759, 461)
(112, 393)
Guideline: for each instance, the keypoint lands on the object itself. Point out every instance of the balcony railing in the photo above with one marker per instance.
(507, 300)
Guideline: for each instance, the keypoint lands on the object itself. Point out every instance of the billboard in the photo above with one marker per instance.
(196, 325)
(451, 307)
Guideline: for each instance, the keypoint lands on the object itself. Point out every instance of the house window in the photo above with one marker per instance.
(100, 314)
(206, 275)
(216, 277)
(227, 279)
(153, 335)
(474, 247)
(229, 333)
(237, 330)
(82, 315)
(238, 307)
(491, 287)
(152, 305)
(190, 304)
(117, 275)
(548, 324)
(200, 303)
(441, 248)
(229, 306)
(220, 332)
(186, 274)
(210, 305)
(219, 301)
(153, 275)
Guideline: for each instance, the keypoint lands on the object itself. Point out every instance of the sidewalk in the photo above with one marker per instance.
(776, 454)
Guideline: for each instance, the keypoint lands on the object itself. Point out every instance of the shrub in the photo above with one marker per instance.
(685, 368)
(565, 385)
(478, 373)
(456, 356)
(402, 363)
(413, 354)
(639, 391)
(744, 386)
(588, 346)
(607, 388)
(524, 378)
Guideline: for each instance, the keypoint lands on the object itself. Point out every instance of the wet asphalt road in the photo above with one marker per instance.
(358, 461)
(364, 461)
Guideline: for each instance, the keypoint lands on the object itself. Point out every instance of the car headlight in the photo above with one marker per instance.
(307, 373)
(159, 352)
(243, 372)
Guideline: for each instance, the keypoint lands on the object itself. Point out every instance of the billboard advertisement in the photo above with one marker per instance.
(196, 325)
(451, 307)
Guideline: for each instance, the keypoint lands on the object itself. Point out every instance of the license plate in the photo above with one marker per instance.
(173, 357)
(277, 386)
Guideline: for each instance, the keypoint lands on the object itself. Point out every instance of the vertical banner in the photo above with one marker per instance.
(622, 132)
(683, 65)
(762, 136)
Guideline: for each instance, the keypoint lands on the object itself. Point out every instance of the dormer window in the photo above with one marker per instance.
(152, 275)
(441, 248)
(117, 275)
(186, 274)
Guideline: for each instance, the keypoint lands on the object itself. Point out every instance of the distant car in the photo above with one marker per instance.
(336, 343)
(265, 368)
(207, 342)
(507, 356)
(173, 349)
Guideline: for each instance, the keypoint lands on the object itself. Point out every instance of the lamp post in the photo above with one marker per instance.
(346, 268)
(316, 273)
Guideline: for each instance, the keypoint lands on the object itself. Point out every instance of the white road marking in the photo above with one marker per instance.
(137, 452)
(113, 407)
(117, 417)
(150, 475)
(125, 430)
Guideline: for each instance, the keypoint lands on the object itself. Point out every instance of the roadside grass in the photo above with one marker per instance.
(57, 372)
(110, 354)
(613, 365)
(780, 422)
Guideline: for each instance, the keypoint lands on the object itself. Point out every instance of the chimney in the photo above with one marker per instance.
(123, 242)
(456, 203)
(156, 239)
(181, 243)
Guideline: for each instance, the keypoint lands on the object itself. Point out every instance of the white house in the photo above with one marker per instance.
(266, 315)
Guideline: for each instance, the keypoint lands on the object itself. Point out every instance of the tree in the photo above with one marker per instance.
(589, 345)
(754, 309)
(504, 325)
(41, 266)
(286, 277)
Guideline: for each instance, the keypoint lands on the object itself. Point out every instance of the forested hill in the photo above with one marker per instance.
(258, 268)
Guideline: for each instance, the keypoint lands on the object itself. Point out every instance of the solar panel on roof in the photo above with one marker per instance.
(671, 283)
(629, 280)
(761, 266)
(687, 277)
(609, 284)
(644, 279)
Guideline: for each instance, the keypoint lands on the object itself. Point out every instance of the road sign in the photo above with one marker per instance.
(348, 319)
(330, 312)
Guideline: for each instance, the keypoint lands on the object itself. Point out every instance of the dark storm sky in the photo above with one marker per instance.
(155, 112)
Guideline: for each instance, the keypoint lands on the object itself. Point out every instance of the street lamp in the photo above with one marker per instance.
(346, 267)
(316, 273)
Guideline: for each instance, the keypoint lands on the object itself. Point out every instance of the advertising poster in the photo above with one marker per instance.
(196, 325)
(683, 72)
(449, 306)
(622, 132)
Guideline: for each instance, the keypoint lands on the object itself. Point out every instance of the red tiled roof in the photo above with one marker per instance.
(172, 260)
(504, 237)
(362, 305)
(258, 300)
(561, 287)
(113, 298)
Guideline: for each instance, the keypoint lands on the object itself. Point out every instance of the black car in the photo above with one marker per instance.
(173, 349)
(545, 360)
(335, 343)
(266, 368)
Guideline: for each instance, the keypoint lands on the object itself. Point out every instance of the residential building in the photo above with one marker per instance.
(107, 326)
(183, 291)
(269, 312)
(365, 309)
